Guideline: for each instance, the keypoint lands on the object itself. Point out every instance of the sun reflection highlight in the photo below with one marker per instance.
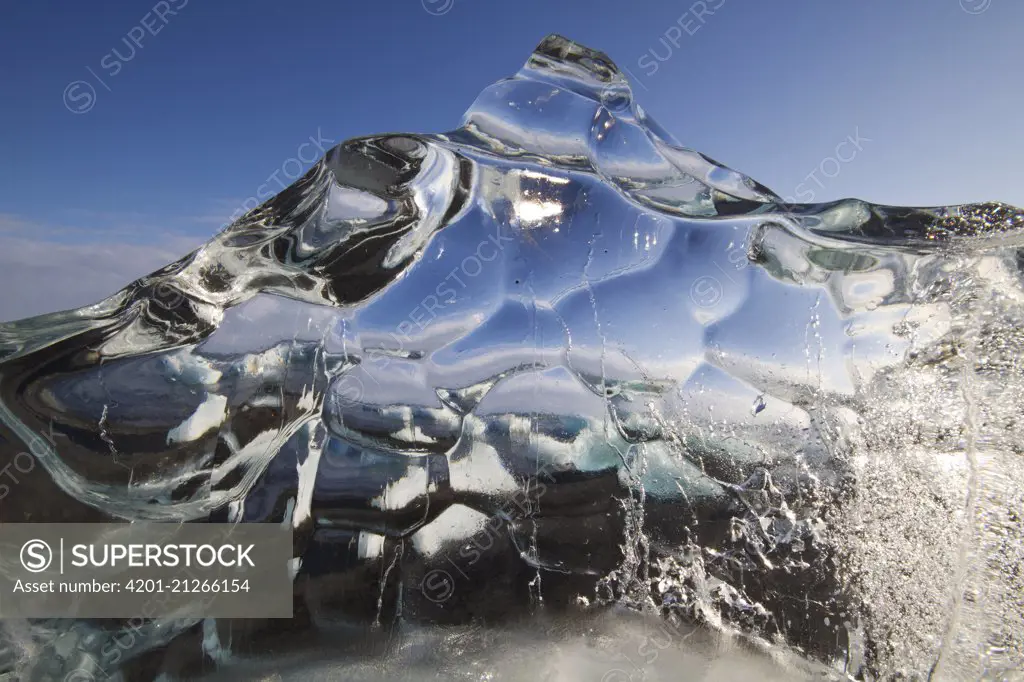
(531, 212)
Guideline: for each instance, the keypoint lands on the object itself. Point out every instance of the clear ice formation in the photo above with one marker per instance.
(553, 362)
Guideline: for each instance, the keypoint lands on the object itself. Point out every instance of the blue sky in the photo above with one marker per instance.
(133, 130)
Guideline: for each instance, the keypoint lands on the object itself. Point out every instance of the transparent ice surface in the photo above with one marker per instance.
(552, 365)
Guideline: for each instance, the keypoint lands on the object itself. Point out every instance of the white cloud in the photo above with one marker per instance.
(39, 273)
